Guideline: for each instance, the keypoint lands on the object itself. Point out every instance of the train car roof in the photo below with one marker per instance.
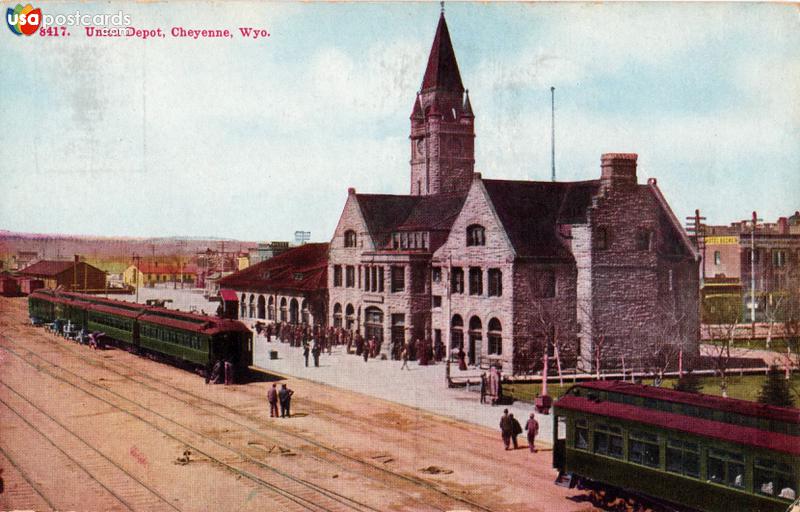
(786, 414)
(201, 324)
(748, 436)
(104, 308)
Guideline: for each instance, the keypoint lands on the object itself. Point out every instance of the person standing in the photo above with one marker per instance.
(228, 366)
(516, 429)
(404, 357)
(532, 426)
(305, 352)
(285, 398)
(365, 352)
(506, 428)
(316, 351)
(272, 398)
(483, 387)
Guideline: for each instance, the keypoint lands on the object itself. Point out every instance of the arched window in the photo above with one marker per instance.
(350, 238)
(261, 307)
(252, 306)
(304, 313)
(271, 309)
(350, 317)
(476, 235)
(337, 315)
(475, 338)
(283, 309)
(717, 258)
(495, 337)
(243, 306)
(294, 311)
(456, 334)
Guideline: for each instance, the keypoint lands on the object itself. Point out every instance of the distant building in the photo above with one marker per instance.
(265, 251)
(290, 287)
(149, 273)
(71, 275)
(774, 266)
(24, 259)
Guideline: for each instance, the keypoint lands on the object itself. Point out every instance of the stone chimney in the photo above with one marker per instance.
(783, 226)
(618, 170)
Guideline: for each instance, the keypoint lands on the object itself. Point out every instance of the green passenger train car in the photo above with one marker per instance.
(677, 451)
(184, 338)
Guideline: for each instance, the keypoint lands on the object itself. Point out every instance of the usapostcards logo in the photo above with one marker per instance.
(24, 20)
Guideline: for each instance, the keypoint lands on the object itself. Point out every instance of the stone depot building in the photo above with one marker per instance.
(597, 267)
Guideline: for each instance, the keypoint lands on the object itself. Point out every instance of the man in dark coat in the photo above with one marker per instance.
(533, 428)
(272, 398)
(305, 352)
(316, 351)
(516, 429)
(285, 398)
(506, 427)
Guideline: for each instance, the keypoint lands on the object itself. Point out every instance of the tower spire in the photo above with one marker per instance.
(442, 70)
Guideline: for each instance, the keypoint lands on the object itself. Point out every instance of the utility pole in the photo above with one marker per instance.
(553, 133)
(753, 273)
(697, 230)
(137, 263)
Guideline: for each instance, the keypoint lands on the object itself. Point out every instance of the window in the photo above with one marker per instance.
(601, 239)
(608, 440)
(495, 337)
(457, 280)
(643, 449)
(337, 315)
(495, 282)
(437, 301)
(436, 274)
(398, 279)
(643, 239)
(366, 279)
(773, 478)
(350, 238)
(717, 258)
(475, 281)
(456, 333)
(374, 272)
(778, 258)
(350, 276)
(683, 458)
(337, 275)
(544, 285)
(752, 256)
(581, 434)
(476, 235)
(298, 276)
(380, 279)
(726, 468)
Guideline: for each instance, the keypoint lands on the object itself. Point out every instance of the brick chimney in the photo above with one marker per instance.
(618, 170)
(783, 226)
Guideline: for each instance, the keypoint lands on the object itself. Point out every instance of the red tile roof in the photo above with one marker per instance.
(755, 409)
(229, 296)
(303, 269)
(747, 436)
(442, 69)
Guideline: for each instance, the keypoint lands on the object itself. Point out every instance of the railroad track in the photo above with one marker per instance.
(28, 494)
(290, 492)
(350, 460)
(107, 474)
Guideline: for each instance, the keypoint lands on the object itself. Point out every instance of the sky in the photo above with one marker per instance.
(255, 139)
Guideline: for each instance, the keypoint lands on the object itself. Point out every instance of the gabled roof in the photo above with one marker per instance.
(385, 214)
(442, 70)
(303, 268)
(531, 211)
(51, 268)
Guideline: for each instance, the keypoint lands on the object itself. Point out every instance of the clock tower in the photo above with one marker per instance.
(442, 125)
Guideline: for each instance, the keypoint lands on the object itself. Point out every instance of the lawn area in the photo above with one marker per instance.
(776, 344)
(746, 387)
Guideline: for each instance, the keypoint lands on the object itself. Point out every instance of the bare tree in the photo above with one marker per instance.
(666, 343)
(722, 316)
(555, 333)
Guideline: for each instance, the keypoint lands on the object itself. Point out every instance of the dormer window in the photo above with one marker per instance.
(644, 240)
(350, 238)
(298, 276)
(476, 235)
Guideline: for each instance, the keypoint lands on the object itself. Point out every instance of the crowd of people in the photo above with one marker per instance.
(510, 429)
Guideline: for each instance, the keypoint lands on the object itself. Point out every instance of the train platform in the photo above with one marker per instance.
(420, 387)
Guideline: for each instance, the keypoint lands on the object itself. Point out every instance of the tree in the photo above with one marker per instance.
(666, 342)
(722, 318)
(775, 390)
(553, 334)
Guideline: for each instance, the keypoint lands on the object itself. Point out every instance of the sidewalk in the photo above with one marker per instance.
(422, 387)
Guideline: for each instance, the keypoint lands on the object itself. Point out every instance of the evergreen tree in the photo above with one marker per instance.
(689, 383)
(775, 390)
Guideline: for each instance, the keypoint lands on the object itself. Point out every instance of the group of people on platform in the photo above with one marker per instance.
(510, 429)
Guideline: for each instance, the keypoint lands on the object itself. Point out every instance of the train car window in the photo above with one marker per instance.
(629, 399)
(773, 478)
(683, 458)
(650, 403)
(581, 434)
(706, 413)
(608, 440)
(726, 468)
(665, 406)
(643, 448)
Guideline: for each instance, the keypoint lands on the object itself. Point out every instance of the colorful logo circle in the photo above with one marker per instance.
(24, 21)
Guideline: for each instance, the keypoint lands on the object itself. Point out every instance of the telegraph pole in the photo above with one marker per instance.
(753, 273)
(553, 133)
(137, 262)
(697, 230)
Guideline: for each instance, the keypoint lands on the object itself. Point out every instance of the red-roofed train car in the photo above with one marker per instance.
(677, 451)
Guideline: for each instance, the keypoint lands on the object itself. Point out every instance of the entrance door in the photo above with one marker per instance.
(398, 334)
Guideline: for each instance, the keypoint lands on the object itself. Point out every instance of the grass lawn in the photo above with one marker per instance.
(746, 387)
(776, 344)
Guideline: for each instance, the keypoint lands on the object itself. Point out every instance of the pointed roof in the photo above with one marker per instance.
(442, 70)
(416, 113)
(467, 105)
